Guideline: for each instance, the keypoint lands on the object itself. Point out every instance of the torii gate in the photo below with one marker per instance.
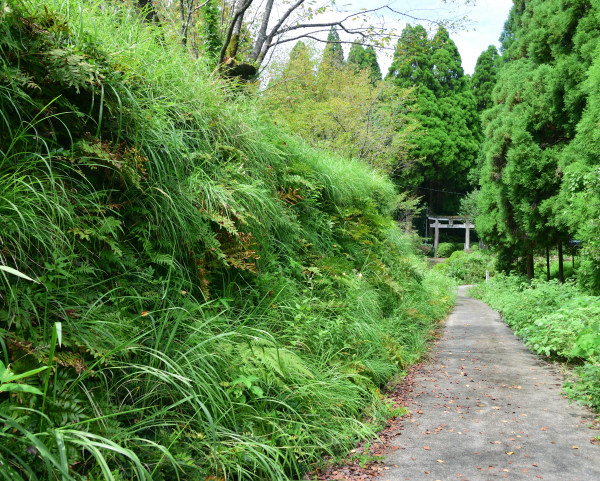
(450, 222)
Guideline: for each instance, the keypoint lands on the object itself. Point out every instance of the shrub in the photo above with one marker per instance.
(445, 249)
(470, 267)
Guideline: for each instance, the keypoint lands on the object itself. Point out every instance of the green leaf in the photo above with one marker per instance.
(7, 375)
(20, 388)
(58, 327)
(15, 272)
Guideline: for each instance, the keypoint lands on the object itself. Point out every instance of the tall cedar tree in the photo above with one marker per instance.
(539, 100)
(483, 80)
(445, 107)
(578, 203)
(361, 58)
(333, 54)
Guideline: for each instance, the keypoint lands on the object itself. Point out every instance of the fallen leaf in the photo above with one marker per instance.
(426, 448)
(441, 461)
(145, 313)
(575, 447)
(510, 453)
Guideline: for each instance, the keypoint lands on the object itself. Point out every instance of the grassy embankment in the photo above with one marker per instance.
(186, 290)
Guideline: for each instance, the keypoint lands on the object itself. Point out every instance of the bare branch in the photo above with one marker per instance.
(321, 40)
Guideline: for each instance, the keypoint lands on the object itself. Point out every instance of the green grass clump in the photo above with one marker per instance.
(186, 290)
(554, 319)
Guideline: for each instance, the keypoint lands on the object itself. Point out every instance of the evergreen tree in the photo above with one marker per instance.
(333, 54)
(483, 80)
(356, 56)
(511, 25)
(372, 63)
(539, 100)
(361, 58)
(445, 107)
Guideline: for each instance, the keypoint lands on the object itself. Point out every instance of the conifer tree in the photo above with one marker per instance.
(333, 54)
(483, 80)
(356, 56)
(445, 107)
(539, 101)
(361, 58)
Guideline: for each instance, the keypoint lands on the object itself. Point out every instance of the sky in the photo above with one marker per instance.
(484, 22)
(487, 19)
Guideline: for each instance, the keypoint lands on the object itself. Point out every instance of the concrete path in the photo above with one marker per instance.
(486, 408)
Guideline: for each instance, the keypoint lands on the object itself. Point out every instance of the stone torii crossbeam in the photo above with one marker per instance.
(449, 222)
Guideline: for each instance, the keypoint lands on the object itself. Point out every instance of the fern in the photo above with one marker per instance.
(261, 357)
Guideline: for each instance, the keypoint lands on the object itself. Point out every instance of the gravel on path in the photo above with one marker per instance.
(486, 408)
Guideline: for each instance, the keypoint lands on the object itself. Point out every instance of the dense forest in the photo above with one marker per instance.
(208, 267)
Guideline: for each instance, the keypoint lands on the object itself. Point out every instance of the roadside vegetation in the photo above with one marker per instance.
(187, 291)
(556, 320)
(468, 267)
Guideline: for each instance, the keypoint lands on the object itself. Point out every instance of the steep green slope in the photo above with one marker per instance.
(186, 291)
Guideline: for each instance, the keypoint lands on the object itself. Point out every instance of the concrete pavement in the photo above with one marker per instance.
(486, 408)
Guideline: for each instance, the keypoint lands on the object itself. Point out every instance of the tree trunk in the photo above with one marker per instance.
(184, 26)
(234, 41)
(262, 32)
(529, 261)
(561, 272)
(232, 35)
(547, 263)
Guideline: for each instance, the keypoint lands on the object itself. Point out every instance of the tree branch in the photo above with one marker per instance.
(238, 14)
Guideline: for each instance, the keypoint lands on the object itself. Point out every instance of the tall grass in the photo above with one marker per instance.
(212, 297)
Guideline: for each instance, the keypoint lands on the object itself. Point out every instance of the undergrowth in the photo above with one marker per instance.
(187, 292)
(468, 267)
(556, 320)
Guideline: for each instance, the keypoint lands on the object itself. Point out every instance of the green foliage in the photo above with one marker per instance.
(539, 101)
(341, 109)
(554, 320)
(361, 58)
(333, 55)
(483, 80)
(447, 248)
(210, 29)
(445, 108)
(469, 267)
(196, 293)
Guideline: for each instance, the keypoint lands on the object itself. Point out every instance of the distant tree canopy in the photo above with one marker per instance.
(248, 31)
(334, 53)
(529, 131)
(445, 107)
(483, 80)
(339, 107)
(361, 58)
